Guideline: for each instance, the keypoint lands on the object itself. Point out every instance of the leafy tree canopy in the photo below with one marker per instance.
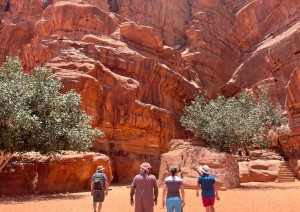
(34, 116)
(240, 121)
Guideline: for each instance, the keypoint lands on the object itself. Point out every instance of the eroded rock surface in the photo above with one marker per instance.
(267, 36)
(34, 174)
(259, 170)
(186, 156)
(291, 145)
(295, 165)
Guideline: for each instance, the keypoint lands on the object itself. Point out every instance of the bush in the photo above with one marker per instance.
(239, 121)
(34, 116)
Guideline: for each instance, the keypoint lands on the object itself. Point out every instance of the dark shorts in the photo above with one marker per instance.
(98, 195)
(208, 201)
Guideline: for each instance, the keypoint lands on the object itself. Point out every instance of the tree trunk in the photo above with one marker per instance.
(4, 159)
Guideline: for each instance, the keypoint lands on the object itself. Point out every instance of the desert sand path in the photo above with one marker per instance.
(251, 197)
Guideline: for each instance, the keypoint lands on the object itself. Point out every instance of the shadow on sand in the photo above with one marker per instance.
(266, 187)
(6, 200)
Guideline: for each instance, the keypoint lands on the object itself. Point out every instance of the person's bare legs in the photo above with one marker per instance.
(99, 206)
(94, 206)
(212, 208)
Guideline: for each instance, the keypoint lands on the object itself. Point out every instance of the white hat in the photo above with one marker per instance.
(204, 169)
(100, 168)
(146, 166)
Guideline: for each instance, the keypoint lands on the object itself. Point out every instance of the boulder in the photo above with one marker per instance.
(259, 170)
(187, 155)
(32, 173)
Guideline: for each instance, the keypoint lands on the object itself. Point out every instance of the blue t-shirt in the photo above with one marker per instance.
(207, 182)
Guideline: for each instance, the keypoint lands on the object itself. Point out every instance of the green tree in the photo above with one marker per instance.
(240, 121)
(34, 116)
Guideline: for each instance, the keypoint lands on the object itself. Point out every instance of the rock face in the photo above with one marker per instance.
(292, 145)
(31, 174)
(267, 36)
(131, 83)
(259, 170)
(187, 157)
(295, 165)
(136, 63)
(263, 166)
(141, 35)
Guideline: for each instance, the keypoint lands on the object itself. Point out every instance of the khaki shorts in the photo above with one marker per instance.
(98, 195)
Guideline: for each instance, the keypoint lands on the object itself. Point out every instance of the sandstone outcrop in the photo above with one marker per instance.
(115, 78)
(33, 173)
(266, 34)
(295, 165)
(260, 170)
(291, 145)
(262, 166)
(141, 35)
(186, 156)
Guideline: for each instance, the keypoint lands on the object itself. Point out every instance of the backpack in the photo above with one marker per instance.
(99, 181)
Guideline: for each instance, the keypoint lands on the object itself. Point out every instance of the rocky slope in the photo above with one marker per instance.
(137, 62)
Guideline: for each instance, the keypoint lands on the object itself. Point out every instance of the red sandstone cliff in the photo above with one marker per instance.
(135, 62)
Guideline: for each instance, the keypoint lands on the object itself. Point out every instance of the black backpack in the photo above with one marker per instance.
(99, 181)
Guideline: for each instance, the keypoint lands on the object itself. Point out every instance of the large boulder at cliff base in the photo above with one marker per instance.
(186, 156)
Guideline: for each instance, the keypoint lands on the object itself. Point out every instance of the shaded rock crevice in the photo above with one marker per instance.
(113, 6)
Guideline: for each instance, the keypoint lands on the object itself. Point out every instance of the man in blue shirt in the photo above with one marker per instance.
(207, 182)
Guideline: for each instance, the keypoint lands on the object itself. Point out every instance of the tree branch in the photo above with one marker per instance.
(2, 158)
(5, 159)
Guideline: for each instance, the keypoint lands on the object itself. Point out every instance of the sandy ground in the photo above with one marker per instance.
(251, 197)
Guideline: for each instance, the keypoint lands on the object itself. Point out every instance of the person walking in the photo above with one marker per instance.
(247, 154)
(145, 189)
(172, 184)
(209, 192)
(99, 185)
